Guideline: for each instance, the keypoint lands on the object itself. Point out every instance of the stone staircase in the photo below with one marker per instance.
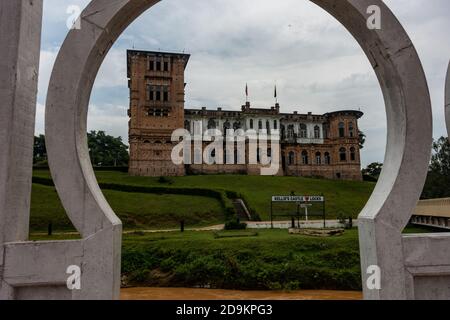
(241, 210)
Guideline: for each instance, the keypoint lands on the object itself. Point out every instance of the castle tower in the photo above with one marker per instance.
(156, 83)
(343, 136)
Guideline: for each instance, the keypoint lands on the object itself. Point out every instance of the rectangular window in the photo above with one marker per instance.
(166, 96)
(158, 95)
(150, 92)
(151, 65)
(166, 66)
(158, 65)
(156, 112)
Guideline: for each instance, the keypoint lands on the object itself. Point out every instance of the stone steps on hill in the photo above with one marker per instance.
(241, 210)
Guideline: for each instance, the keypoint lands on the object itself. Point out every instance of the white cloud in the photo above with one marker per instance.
(47, 61)
(113, 72)
(109, 118)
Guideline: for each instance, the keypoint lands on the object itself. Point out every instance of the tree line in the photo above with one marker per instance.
(437, 184)
(104, 150)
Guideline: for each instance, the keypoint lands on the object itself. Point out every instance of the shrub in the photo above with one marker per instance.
(235, 225)
(165, 180)
(369, 178)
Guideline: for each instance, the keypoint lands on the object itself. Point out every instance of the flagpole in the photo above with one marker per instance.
(276, 95)
(246, 93)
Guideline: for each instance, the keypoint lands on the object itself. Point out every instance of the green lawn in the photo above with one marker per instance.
(136, 210)
(343, 197)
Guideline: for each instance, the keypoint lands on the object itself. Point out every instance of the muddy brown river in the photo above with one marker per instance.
(214, 294)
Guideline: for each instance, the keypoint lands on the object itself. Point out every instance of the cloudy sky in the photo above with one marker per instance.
(314, 61)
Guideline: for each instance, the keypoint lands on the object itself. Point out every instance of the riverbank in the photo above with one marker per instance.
(240, 260)
(244, 260)
(214, 294)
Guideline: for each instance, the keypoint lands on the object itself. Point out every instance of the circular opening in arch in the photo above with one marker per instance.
(209, 68)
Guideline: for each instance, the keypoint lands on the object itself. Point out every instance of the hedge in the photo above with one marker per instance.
(223, 196)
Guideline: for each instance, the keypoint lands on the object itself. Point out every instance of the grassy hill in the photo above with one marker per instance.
(162, 211)
(136, 210)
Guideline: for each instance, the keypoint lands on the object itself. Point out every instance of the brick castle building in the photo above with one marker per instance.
(310, 145)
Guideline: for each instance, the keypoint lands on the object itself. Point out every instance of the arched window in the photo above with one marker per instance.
(352, 154)
(260, 126)
(226, 126)
(303, 131)
(275, 124)
(343, 154)
(305, 159)
(327, 158)
(211, 124)
(341, 130)
(251, 123)
(291, 159)
(291, 131)
(318, 158)
(283, 132)
(351, 129)
(325, 131)
(316, 132)
(268, 126)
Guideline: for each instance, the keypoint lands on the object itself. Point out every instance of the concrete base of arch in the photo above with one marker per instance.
(38, 270)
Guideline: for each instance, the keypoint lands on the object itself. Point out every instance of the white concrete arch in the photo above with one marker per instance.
(447, 99)
(408, 108)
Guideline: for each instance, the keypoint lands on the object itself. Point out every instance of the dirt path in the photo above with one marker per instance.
(251, 225)
(213, 294)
